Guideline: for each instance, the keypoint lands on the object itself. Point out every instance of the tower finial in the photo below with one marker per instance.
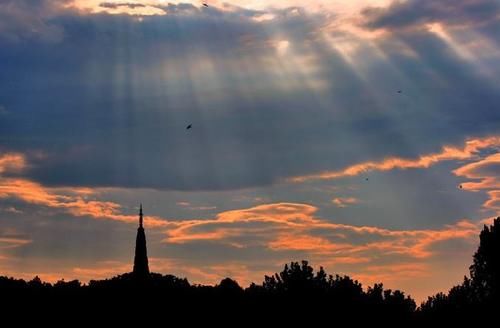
(141, 266)
(140, 216)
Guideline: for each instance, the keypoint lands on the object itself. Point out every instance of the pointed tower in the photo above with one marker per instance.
(141, 267)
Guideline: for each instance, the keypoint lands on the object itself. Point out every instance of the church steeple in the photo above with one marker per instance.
(140, 216)
(141, 267)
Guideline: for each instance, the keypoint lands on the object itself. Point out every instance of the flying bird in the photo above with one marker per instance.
(461, 187)
(205, 5)
(400, 91)
(189, 127)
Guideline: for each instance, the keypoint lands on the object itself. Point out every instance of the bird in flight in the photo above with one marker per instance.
(400, 91)
(205, 5)
(189, 127)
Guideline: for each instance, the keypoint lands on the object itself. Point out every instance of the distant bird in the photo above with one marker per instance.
(366, 179)
(461, 187)
(189, 127)
(205, 5)
(400, 91)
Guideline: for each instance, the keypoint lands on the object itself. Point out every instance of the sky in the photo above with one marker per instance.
(362, 136)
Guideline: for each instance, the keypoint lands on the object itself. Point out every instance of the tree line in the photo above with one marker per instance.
(298, 292)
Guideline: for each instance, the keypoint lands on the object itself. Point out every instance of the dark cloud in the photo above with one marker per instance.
(108, 104)
(30, 20)
(415, 13)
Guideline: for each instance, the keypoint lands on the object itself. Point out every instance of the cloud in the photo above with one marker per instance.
(120, 8)
(494, 200)
(277, 226)
(12, 162)
(12, 210)
(108, 106)
(448, 153)
(485, 174)
(191, 207)
(418, 13)
(12, 242)
(114, 5)
(343, 6)
(290, 226)
(486, 170)
(343, 202)
(11, 239)
(31, 20)
(293, 231)
(72, 200)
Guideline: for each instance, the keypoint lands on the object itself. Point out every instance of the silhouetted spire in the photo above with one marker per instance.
(141, 267)
(140, 216)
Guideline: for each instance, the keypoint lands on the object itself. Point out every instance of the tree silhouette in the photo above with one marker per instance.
(296, 278)
(229, 285)
(485, 270)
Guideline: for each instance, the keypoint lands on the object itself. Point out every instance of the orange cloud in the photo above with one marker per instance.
(272, 215)
(474, 170)
(399, 258)
(306, 243)
(72, 200)
(486, 173)
(494, 200)
(12, 162)
(68, 200)
(470, 149)
(288, 226)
